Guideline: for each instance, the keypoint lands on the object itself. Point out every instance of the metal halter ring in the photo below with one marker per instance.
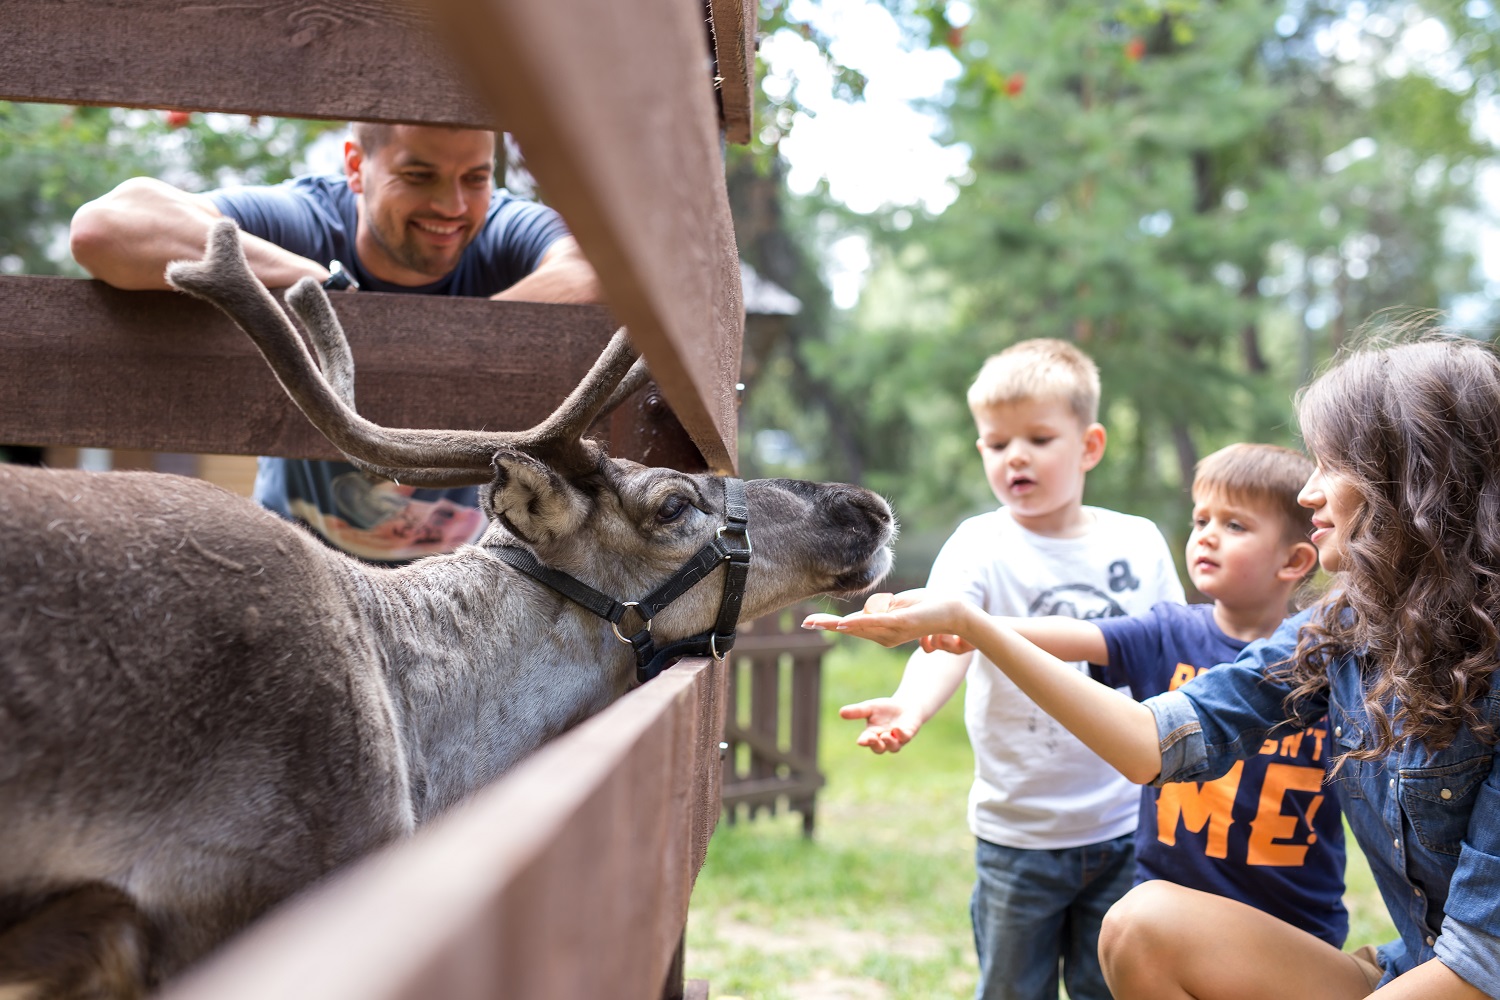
(713, 647)
(616, 625)
(739, 531)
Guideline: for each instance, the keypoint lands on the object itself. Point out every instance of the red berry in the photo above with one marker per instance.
(177, 119)
(1015, 83)
(1134, 49)
(956, 37)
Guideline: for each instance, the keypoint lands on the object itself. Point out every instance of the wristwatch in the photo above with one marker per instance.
(339, 278)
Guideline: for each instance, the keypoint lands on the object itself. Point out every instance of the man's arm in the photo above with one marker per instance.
(564, 275)
(128, 237)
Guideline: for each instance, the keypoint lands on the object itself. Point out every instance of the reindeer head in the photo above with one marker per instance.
(620, 526)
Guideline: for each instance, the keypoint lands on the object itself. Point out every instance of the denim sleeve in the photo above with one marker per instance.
(1470, 940)
(1226, 714)
(1179, 736)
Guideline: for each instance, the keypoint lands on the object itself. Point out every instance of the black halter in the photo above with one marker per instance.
(731, 544)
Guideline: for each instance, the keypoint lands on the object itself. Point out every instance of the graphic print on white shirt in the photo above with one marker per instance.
(1035, 784)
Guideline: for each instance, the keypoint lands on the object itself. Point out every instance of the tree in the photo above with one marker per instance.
(1209, 197)
(58, 157)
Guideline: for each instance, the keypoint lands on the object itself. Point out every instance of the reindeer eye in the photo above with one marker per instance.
(672, 508)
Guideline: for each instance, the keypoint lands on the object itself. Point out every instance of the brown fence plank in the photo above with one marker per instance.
(734, 24)
(344, 59)
(85, 364)
(609, 102)
(570, 878)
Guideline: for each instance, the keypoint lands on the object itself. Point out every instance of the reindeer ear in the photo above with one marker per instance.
(532, 500)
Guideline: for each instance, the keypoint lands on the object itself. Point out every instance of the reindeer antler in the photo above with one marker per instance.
(414, 456)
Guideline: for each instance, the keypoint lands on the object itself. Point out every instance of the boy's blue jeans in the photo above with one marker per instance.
(1034, 909)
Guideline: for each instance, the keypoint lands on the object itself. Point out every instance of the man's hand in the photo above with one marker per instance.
(891, 725)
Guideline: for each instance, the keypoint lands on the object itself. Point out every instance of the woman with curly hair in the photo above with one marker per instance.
(1400, 655)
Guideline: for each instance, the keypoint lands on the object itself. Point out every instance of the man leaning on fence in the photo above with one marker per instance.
(416, 210)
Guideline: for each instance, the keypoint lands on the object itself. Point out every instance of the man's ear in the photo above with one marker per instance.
(532, 500)
(1094, 440)
(354, 161)
(1301, 559)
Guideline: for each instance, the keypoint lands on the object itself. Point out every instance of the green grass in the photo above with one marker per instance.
(877, 905)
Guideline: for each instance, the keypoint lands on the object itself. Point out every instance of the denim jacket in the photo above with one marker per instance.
(1429, 823)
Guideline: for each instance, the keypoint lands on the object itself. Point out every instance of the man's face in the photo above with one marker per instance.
(424, 196)
(1035, 456)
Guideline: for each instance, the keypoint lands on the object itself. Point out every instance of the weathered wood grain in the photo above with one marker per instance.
(85, 364)
(734, 24)
(375, 60)
(609, 103)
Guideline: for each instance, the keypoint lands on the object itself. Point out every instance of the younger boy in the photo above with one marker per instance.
(1053, 822)
(1269, 833)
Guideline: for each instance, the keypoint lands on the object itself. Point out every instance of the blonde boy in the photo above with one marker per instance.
(1270, 833)
(1053, 822)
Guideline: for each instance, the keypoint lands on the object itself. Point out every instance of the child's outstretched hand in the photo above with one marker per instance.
(890, 726)
(891, 619)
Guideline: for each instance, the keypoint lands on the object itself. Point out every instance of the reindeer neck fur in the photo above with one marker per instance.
(484, 665)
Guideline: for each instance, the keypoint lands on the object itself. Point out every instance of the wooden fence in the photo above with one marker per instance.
(571, 877)
(772, 705)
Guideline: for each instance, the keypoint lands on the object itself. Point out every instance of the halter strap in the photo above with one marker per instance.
(730, 545)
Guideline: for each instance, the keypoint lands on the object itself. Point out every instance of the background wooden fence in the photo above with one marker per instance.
(772, 705)
(571, 877)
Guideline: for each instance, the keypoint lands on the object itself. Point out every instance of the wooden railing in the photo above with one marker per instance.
(571, 877)
(771, 719)
(612, 103)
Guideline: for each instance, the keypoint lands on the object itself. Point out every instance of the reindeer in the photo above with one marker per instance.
(203, 709)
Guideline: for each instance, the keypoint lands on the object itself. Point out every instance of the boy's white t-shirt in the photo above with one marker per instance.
(1035, 784)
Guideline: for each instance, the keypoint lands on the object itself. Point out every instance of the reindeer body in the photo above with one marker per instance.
(205, 708)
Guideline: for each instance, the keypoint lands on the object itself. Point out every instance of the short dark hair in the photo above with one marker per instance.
(371, 136)
(1263, 474)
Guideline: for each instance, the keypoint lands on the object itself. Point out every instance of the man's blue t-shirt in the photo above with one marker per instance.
(317, 218)
(1269, 833)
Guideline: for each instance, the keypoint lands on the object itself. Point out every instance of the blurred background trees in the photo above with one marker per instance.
(58, 157)
(1210, 198)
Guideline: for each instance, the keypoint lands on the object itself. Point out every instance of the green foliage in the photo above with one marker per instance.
(879, 899)
(58, 157)
(1209, 197)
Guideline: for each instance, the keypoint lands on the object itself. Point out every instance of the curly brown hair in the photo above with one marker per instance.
(1416, 429)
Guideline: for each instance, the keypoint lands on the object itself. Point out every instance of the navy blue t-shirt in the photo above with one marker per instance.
(1269, 833)
(317, 218)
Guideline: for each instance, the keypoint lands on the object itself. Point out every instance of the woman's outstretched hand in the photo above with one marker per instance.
(891, 619)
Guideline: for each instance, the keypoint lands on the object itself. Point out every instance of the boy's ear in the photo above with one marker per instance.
(1094, 440)
(1301, 559)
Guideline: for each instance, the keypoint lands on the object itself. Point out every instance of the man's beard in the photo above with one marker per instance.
(408, 253)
